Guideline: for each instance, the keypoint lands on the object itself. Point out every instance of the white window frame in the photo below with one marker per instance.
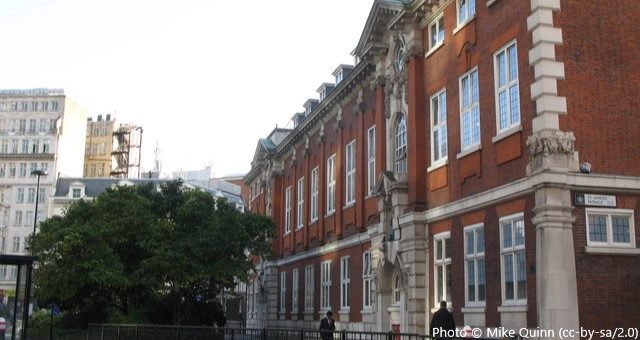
(345, 283)
(513, 249)
(15, 245)
(331, 184)
(439, 41)
(300, 205)
(367, 280)
(469, 110)
(445, 263)
(509, 83)
(474, 257)
(469, 16)
(371, 159)
(308, 288)
(287, 210)
(440, 128)
(283, 292)
(325, 285)
(350, 173)
(609, 214)
(315, 179)
(295, 284)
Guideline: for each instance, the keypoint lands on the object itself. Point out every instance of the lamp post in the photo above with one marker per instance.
(38, 173)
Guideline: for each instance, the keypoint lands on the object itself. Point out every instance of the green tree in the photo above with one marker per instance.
(138, 254)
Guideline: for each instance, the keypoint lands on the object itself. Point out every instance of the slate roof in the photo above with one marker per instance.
(95, 186)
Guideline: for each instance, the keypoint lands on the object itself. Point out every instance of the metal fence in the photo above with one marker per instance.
(144, 332)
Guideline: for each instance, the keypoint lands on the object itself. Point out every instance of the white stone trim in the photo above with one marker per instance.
(612, 251)
(506, 133)
(551, 104)
(469, 151)
(512, 309)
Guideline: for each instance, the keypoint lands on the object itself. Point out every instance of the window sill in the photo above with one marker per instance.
(612, 251)
(490, 2)
(434, 49)
(370, 195)
(473, 309)
(463, 24)
(349, 205)
(513, 308)
(344, 311)
(299, 227)
(438, 164)
(506, 133)
(286, 233)
(308, 312)
(469, 151)
(329, 214)
(368, 310)
(294, 311)
(314, 221)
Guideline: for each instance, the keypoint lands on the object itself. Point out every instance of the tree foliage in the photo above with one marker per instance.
(138, 254)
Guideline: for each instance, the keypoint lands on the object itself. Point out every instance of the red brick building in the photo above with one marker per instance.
(450, 164)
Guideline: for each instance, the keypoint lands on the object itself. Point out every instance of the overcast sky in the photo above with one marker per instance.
(205, 78)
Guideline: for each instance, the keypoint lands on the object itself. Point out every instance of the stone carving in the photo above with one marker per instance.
(339, 121)
(321, 135)
(306, 147)
(547, 142)
(388, 91)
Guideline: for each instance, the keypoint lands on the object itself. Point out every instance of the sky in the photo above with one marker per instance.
(204, 78)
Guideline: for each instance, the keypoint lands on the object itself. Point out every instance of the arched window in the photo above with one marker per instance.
(399, 56)
(401, 145)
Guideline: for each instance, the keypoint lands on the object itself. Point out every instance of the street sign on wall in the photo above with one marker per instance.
(596, 200)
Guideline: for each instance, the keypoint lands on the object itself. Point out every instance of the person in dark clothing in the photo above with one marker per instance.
(442, 321)
(327, 326)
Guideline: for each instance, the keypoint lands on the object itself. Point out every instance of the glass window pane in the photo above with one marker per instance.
(502, 109)
(441, 28)
(474, 86)
(514, 104)
(506, 236)
(519, 232)
(448, 278)
(438, 249)
(439, 281)
(621, 229)
(471, 281)
(598, 228)
(513, 63)
(436, 109)
(508, 276)
(434, 34)
(481, 280)
(436, 145)
(447, 248)
(522, 275)
(470, 243)
(480, 241)
(502, 70)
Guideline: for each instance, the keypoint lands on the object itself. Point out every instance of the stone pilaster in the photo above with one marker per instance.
(551, 150)
(414, 247)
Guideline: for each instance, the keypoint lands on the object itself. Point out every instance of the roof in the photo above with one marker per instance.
(268, 144)
(95, 186)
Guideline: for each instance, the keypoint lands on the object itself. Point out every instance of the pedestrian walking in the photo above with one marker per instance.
(327, 326)
(442, 322)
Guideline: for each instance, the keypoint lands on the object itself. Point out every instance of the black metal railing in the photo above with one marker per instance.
(149, 332)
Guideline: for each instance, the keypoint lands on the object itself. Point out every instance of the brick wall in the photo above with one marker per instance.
(602, 72)
(474, 45)
(607, 284)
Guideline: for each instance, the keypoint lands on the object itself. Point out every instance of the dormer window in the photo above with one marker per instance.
(76, 190)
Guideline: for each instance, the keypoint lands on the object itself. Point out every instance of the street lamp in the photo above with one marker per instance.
(38, 173)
